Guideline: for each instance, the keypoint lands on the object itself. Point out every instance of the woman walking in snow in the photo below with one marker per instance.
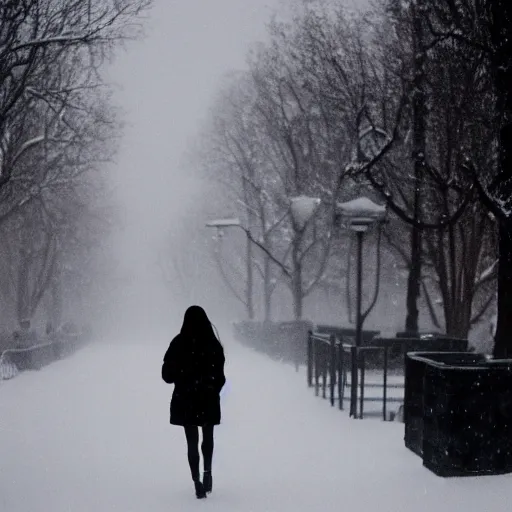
(194, 363)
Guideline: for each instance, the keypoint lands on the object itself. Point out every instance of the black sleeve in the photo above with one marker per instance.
(219, 377)
(169, 365)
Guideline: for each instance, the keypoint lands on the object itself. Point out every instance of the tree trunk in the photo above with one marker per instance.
(250, 282)
(56, 303)
(297, 280)
(418, 156)
(23, 291)
(458, 318)
(503, 338)
(413, 283)
(501, 35)
(297, 294)
(267, 290)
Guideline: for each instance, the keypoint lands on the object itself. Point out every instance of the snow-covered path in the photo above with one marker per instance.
(91, 433)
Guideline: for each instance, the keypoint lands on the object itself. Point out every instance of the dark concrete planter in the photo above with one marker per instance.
(458, 413)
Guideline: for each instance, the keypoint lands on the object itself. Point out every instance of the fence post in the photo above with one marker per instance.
(316, 358)
(332, 367)
(310, 359)
(361, 398)
(297, 346)
(385, 391)
(340, 376)
(353, 381)
(324, 369)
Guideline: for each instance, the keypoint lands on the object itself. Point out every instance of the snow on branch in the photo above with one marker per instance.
(487, 274)
(26, 146)
(105, 21)
(68, 38)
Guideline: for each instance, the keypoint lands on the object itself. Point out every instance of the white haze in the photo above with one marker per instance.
(90, 433)
(167, 83)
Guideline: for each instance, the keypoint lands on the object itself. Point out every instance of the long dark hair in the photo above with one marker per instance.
(197, 325)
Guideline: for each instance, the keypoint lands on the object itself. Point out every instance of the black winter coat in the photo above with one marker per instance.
(197, 372)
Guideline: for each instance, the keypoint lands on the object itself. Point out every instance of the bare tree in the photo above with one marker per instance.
(482, 29)
(50, 40)
(56, 129)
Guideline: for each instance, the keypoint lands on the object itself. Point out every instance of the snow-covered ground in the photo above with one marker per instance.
(91, 433)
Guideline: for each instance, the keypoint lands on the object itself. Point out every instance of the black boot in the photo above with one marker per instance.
(207, 481)
(200, 492)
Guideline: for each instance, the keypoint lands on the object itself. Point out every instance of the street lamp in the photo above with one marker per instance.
(302, 209)
(359, 215)
(223, 223)
(220, 224)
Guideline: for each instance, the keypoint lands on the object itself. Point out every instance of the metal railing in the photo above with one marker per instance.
(324, 362)
(35, 357)
(379, 361)
(329, 364)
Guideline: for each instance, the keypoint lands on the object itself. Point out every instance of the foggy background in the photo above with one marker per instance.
(91, 432)
(166, 84)
(151, 254)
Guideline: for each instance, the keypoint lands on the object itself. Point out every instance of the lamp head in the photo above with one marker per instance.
(359, 214)
(302, 209)
(223, 223)
(360, 224)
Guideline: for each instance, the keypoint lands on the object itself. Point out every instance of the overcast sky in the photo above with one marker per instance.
(168, 81)
(166, 85)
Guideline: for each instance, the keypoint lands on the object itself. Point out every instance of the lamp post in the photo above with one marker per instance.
(221, 224)
(302, 209)
(359, 215)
